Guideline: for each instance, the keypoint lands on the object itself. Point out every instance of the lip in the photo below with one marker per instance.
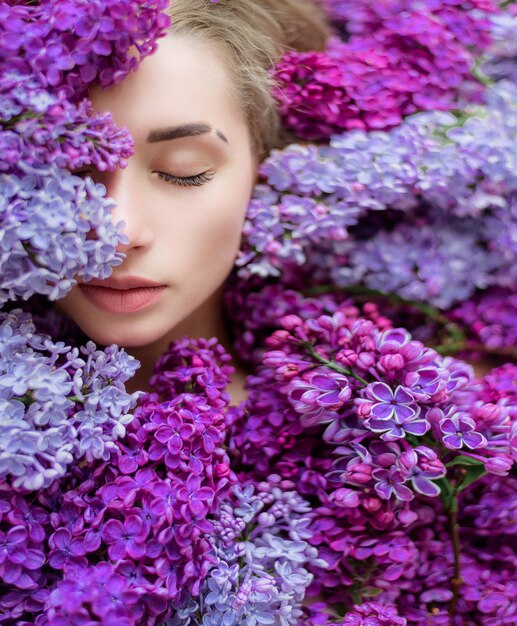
(122, 295)
(122, 283)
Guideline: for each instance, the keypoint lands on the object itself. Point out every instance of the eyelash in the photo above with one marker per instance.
(186, 181)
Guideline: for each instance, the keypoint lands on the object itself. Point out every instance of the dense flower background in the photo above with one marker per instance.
(368, 479)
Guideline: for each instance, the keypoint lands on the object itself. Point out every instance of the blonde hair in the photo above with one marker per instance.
(252, 35)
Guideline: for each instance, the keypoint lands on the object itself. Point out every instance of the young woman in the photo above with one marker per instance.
(202, 115)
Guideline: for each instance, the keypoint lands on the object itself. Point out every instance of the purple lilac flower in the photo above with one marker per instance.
(388, 192)
(440, 264)
(317, 395)
(501, 57)
(127, 539)
(491, 318)
(374, 613)
(459, 431)
(467, 21)
(48, 403)
(40, 128)
(95, 592)
(46, 217)
(388, 403)
(499, 384)
(84, 45)
(152, 520)
(260, 579)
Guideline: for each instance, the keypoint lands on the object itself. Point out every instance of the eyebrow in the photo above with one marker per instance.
(184, 130)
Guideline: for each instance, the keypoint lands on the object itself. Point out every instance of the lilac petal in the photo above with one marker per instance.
(331, 398)
(324, 383)
(426, 487)
(117, 551)
(136, 550)
(452, 441)
(418, 427)
(62, 538)
(133, 525)
(18, 555)
(205, 493)
(198, 507)
(382, 392)
(403, 492)
(34, 560)
(448, 427)
(384, 490)
(11, 573)
(404, 412)
(402, 396)
(112, 531)
(163, 434)
(17, 534)
(383, 411)
(92, 540)
(474, 440)
(380, 426)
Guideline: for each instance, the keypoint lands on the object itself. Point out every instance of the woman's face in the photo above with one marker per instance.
(182, 197)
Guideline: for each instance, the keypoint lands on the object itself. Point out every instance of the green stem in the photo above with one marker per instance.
(331, 365)
(449, 495)
(456, 581)
(457, 339)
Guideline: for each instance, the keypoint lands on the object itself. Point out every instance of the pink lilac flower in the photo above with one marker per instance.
(491, 318)
(409, 57)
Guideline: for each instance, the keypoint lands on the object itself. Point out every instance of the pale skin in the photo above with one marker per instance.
(182, 199)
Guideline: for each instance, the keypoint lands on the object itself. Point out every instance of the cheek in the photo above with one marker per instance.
(208, 232)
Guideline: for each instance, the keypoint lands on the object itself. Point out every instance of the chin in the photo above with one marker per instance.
(130, 338)
(128, 334)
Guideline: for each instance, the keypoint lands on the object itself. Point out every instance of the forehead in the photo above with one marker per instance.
(184, 81)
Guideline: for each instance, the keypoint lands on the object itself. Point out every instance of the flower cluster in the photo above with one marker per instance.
(38, 128)
(402, 56)
(367, 613)
(58, 404)
(47, 216)
(491, 318)
(367, 479)
(469, 22)
(67, 44)
(261, 575)
(426, 211)
(502, 54)
(375, 427)
(126, 537)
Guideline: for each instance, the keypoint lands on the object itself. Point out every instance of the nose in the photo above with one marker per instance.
(122, 186)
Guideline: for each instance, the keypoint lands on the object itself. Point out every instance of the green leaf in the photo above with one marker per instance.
(370, 592)
(464, 461)
(471, 475)
(447, 493)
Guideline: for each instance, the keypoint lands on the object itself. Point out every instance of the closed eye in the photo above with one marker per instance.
(187, 181)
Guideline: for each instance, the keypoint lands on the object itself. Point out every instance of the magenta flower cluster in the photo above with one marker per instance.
(374, 428)
(401, 56)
